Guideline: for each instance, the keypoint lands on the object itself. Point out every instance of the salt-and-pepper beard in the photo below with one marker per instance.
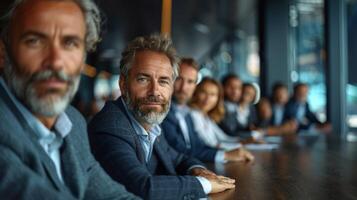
(23, 87)
(150, 117)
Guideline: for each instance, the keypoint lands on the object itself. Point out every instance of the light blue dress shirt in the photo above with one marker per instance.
(279, 114)
(50, 140)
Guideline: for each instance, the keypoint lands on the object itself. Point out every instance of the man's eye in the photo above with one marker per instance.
(191, 82)
(71, 44)
(33, 42)
(164, 82)
(142, 80)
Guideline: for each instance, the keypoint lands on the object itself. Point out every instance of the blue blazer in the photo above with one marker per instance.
(230, 124)
(27, 172)
(117, 147)
(291, 110)
(175, 138)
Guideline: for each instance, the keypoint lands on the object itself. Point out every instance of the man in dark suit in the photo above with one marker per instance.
(279, 99)
(232, 88)
(44, 150)
(126, 135)
(298, 109)
(178, 125)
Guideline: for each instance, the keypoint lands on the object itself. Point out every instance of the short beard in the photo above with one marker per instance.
(149, 117)
(23, 87)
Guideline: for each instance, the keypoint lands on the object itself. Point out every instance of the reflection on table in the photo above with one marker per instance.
(303, 167)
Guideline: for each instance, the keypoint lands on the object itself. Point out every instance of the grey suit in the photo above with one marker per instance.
(27, 172)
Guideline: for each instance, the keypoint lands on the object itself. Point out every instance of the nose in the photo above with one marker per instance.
(154, 88)
(182, 85)
(54, 59)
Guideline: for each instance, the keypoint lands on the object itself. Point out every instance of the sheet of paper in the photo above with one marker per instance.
(261, 147)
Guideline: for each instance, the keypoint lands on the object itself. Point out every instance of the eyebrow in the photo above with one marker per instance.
(143, 74)
(42, 35)
(147, 75)
(32, 33)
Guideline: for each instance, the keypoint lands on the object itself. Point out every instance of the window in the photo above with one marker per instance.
(308, 47)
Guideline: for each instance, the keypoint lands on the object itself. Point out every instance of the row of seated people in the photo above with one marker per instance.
(47, 150)
(271, 116)
(208, 121)
(281, 115)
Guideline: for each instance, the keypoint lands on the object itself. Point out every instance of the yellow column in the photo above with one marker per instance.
(166, 17)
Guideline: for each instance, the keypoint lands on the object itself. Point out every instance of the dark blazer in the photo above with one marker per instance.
(27, 172)
(117, 147)
(230, 125)
(175, 138)
(291, 110)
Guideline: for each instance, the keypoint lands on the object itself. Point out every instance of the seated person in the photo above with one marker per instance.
(208, 109)
(240, 121)
(298, 109)
(264, 119)
(126, 137)
(232, 88)
(43, 141)
(280, 96)
(178, 125)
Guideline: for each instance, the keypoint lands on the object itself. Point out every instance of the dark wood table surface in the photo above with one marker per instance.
(305, 167)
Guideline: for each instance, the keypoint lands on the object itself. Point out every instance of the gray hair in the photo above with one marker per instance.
(90, 11)
(158, 43)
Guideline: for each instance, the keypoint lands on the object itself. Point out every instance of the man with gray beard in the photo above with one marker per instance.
(44, 150)
(126, 138)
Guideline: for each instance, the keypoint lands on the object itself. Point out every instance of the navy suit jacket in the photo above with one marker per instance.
(291, 110)
(117, 147)
(27, 172)
(175, 138)
(230, 124)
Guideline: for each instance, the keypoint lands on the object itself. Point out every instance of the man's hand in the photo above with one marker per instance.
(218, 183)
(199, 171)
(238, 155)
(221, 184)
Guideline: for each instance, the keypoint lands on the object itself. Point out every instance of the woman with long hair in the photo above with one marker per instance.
(208, 110)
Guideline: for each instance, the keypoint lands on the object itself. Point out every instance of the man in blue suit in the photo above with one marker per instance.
(298, 109)
(178, 125)
(44, 150)
(126, 135)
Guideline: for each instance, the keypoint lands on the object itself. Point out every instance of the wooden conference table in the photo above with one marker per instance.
(303, 167)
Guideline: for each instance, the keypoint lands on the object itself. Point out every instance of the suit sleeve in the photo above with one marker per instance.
(311, 116)
(119, 158)
(100, 185)
(200, 150)
(19, 181)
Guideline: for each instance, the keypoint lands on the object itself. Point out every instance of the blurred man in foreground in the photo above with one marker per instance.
(43, 142)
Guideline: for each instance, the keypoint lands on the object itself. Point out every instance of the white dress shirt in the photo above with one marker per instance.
(210, 133)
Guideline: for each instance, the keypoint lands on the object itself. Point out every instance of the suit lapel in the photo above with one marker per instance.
(162, 155)
(71, 169)
(29, 133)
(139, 149)
(191, 129)
(125, 122)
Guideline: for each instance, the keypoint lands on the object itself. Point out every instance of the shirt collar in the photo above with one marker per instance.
(230, 106)
(62, 126)
(180, 109)
(139, 129)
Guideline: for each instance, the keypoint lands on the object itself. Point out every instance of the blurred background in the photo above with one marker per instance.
(311, 41)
